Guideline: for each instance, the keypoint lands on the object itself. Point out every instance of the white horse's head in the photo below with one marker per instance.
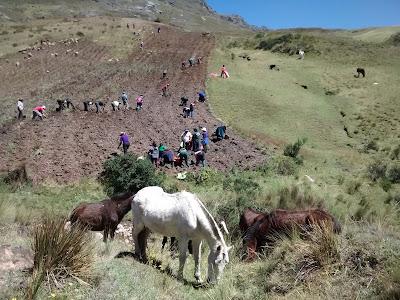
(217, 260)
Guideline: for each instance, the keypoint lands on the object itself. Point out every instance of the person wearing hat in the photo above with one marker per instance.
(202, 97)
(86, 105)
(20, 106)
(39, 112)
(204, 142)
(98, 105)
(124, 141)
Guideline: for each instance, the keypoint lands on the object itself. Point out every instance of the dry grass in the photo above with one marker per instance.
(59, 254)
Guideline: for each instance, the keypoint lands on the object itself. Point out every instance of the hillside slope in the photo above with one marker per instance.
(69, 145)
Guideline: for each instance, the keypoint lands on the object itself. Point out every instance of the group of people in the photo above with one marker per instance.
(191, 61)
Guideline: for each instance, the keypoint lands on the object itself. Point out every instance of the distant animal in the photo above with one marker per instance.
(184, 216)
(272, 66)
(104, 215)
(260, 229)
(360, 71)
(301, 54)
(304, 87)
(248, 58)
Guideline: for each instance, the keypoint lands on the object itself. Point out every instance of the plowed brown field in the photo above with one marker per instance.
(71, 144)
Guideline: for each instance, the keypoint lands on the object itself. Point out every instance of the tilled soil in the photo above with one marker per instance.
(71, 144)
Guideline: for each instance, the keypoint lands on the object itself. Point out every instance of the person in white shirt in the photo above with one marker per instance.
(20, 105)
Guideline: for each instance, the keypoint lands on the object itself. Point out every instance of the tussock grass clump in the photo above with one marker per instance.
(18, 177)
(59, 253)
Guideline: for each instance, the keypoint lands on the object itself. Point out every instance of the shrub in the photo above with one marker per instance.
(127, 173)
(395, 153)
(207, 176)
(15, 44)
(18, 177)
(232, 56)
(242, 184)
(377, 170)
(59, 253)
(157, 20)
(353, 187)
(394, 174)
(286, 167)
(292, 150)
(80, 33)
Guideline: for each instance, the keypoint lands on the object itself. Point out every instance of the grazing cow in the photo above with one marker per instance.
(272, 66)
(104, 215)
(360, 71)
(260, 229)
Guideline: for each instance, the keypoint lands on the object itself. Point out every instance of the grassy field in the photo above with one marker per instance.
(271, 108)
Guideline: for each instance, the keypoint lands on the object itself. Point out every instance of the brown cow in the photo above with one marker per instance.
(104, 215)
(265, 227)
(360, 71)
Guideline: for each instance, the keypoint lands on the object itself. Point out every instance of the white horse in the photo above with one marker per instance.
(184, 216)
(301, 54)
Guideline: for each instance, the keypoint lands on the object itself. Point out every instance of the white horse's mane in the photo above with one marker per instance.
(210, 218)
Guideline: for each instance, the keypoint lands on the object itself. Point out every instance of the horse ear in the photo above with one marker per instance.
(223, 225)
(228, 249)
(219, 248)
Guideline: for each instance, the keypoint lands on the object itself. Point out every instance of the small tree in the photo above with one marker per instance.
(292, 150)
(127, 173)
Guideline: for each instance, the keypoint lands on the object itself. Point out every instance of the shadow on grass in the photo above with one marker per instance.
(157, 264)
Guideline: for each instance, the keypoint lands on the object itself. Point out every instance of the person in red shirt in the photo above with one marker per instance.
(223, 73)
(164, 89)
(39, 112)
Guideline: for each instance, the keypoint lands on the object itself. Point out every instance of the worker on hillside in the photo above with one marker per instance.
(124, 98)
(154, 153)
(199, 59)
(191, 61)
(141, 46)
(159, 29)
(124, 141)
(61, 104)
(164, 73)
(184, 64)
(186, 112)
(184, 155)
(39, 112)
(164, 89)
(167, 157)
(139, 102)
(186, 138)
(220, 132)
(98, 105)
(200, 157)
(86, 105)
(223, 72)
(204, 142)
(184, 101)
(196, 140)
(69, 102)
(202, 97)
(115, 105)
(20, 107)
(133, 26)
(191, 109)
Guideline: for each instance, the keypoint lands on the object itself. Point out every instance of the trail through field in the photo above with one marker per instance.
(71, 144)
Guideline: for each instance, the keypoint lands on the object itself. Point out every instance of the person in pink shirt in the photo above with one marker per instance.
(39, 112)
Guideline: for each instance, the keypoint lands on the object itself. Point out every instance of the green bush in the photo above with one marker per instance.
(377, 170)
(394, 174)
(292, 150)
(126, 173)
(286, 167)
(242, 184)
(80, 33)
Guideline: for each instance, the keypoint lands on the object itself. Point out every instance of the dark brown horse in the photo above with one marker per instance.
(104, 215)
(265, 227)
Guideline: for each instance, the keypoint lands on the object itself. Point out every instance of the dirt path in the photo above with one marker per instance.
(69, 145)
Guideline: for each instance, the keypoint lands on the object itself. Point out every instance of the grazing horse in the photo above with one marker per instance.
(360, 71)
(262, 228)
(184, 216)
(104, 215)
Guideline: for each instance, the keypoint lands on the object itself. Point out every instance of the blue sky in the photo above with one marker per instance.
(346, 14)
